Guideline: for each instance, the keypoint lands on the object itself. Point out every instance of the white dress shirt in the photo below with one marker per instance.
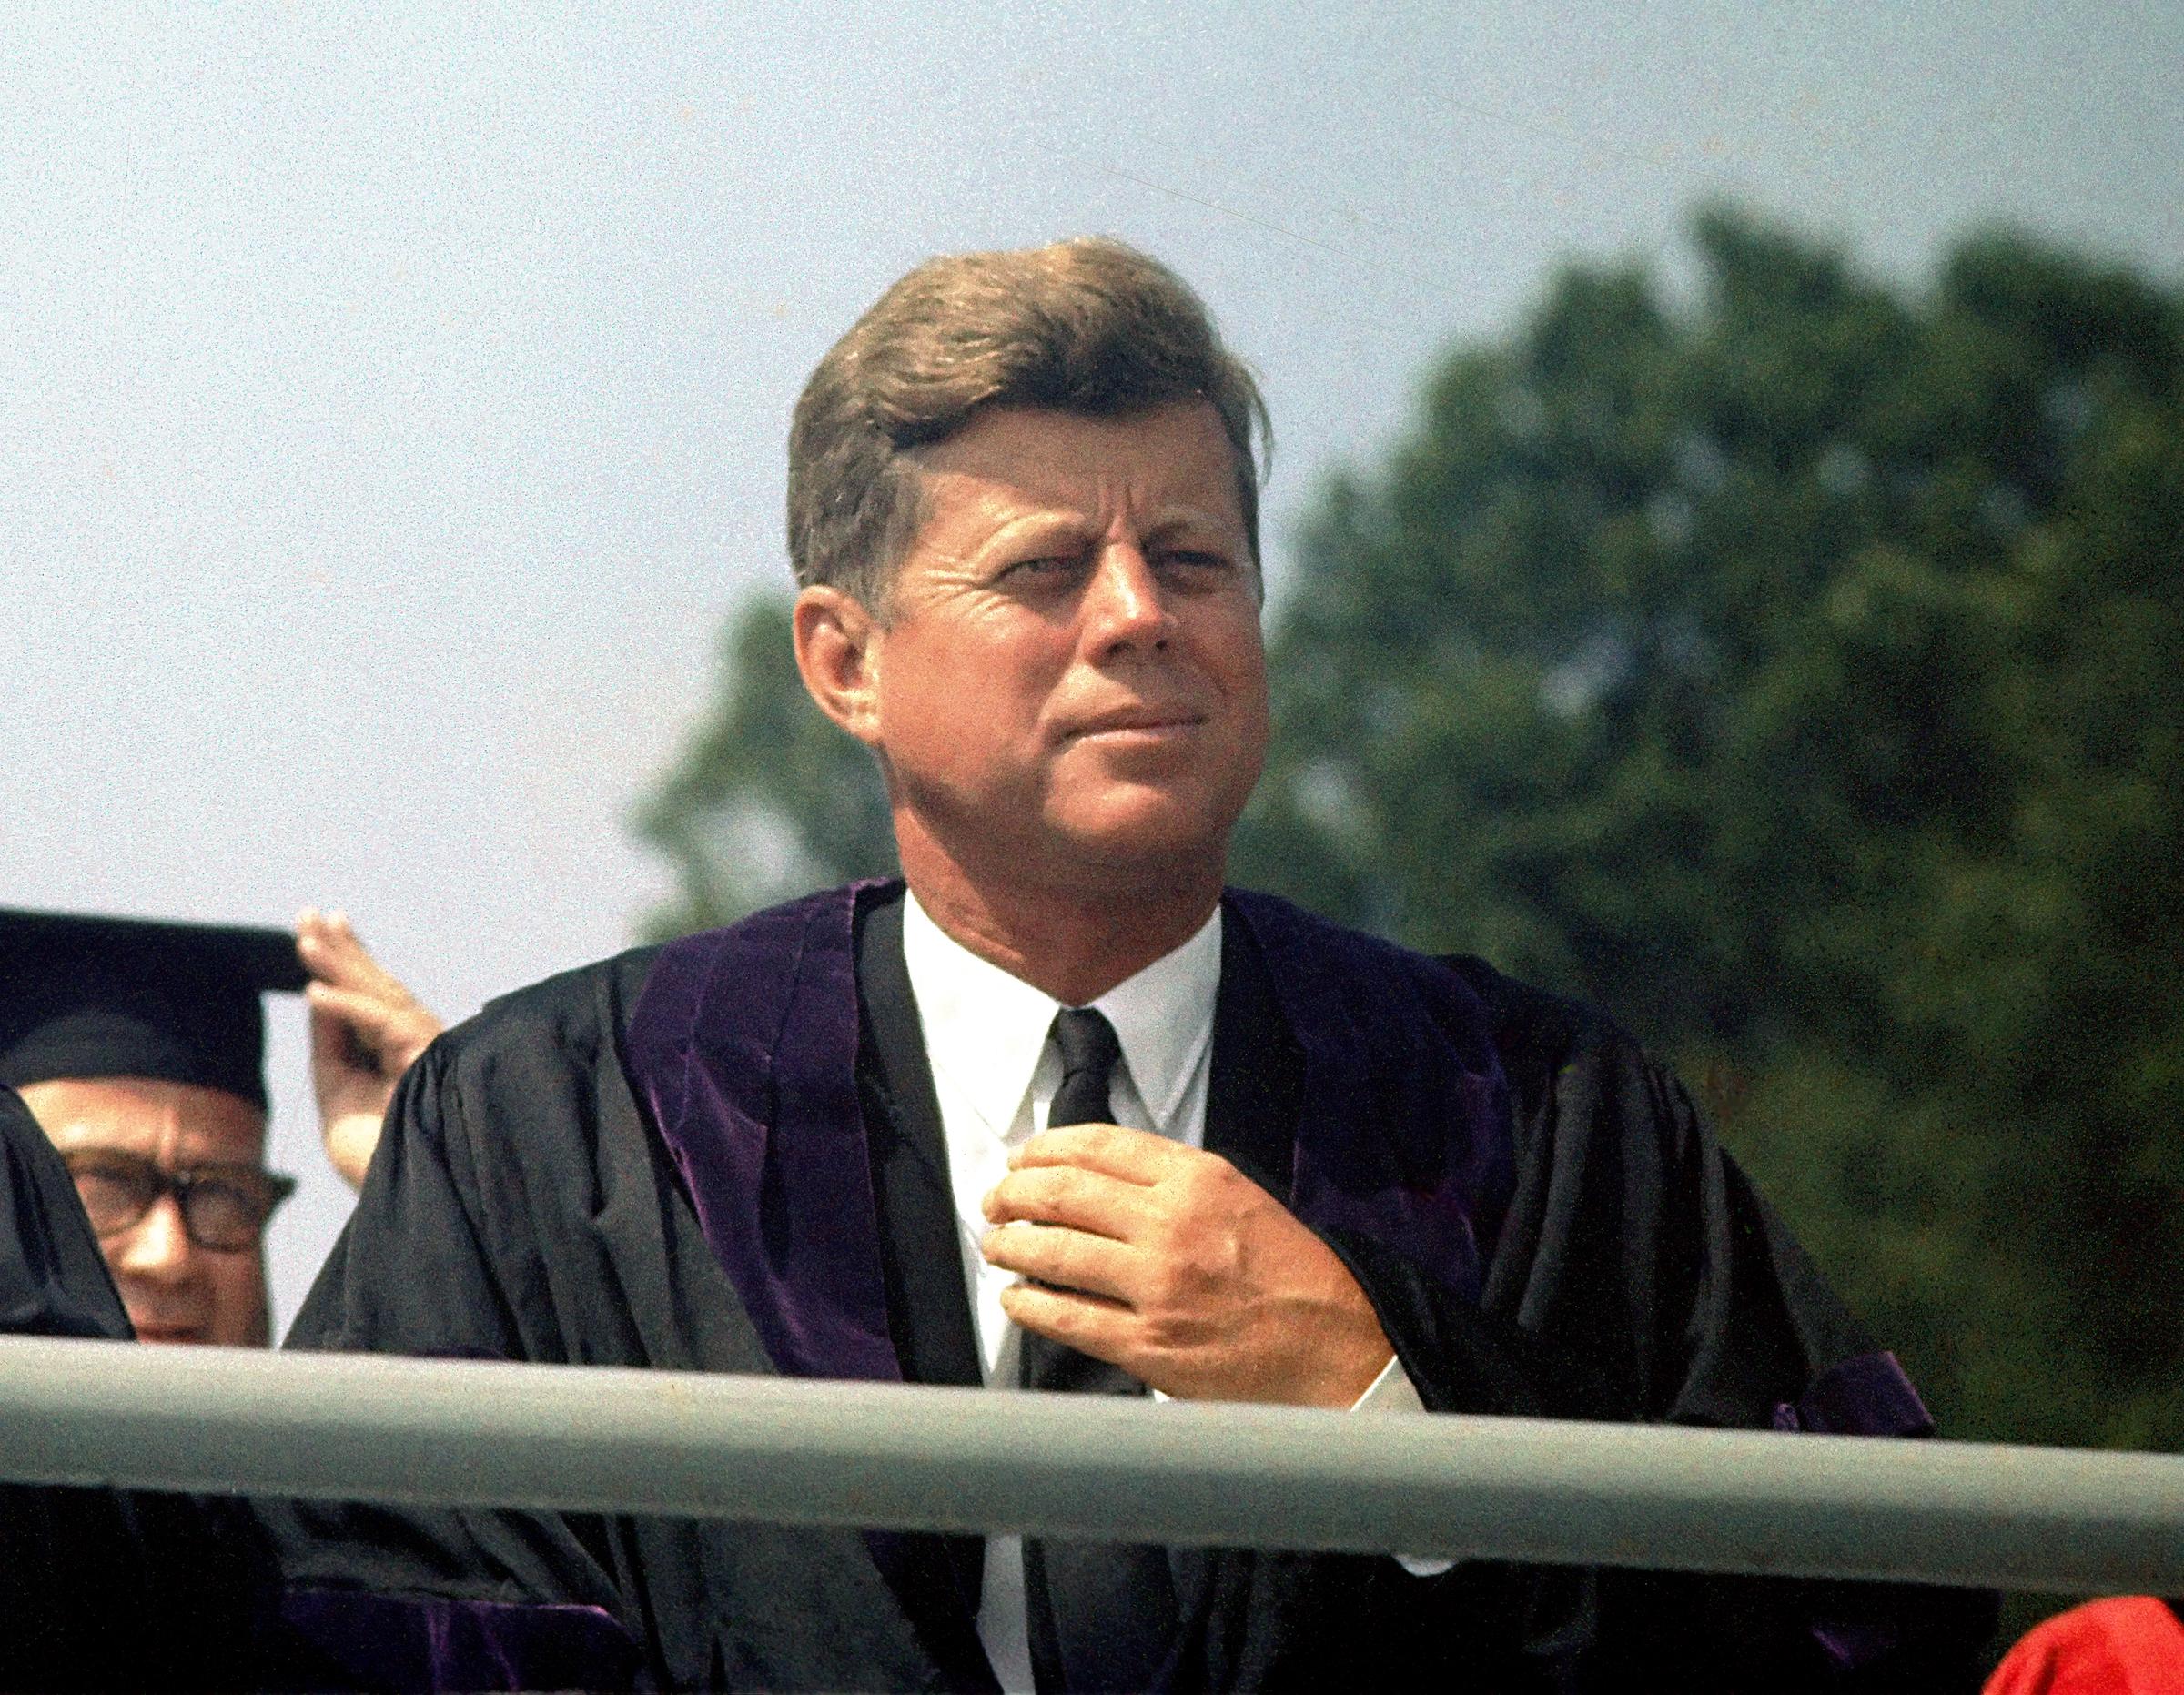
(994, 1073)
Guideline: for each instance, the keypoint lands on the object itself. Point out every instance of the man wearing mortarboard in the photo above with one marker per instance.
(139, 1047)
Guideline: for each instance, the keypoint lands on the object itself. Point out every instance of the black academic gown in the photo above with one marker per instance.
(760, 1189)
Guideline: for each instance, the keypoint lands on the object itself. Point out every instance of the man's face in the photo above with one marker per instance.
(1069, 680)
(175, 1289)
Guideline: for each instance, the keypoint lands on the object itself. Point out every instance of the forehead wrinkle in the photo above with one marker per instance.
(165, 1122)
(1116, 508)
(959, 539)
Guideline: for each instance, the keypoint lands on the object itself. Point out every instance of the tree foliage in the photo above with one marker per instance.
(768, 800)
(1800, 675)
(1796, 669)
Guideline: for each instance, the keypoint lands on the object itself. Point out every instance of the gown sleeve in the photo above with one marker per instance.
(519, 1209)
(1638, 1276)
(411, 1599)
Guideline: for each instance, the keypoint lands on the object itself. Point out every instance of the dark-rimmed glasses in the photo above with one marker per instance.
(223, 1206)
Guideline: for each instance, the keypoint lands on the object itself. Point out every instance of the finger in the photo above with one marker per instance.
(333, 1040)
(1070, 1196)
(369, 1015)
(1102, 1328)
(332, 952)
(1062, 1258)
(336, 944)
(395, 1033)
(1129, 1155)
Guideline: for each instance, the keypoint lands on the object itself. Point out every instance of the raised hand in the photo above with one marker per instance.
(366, 1030)
(1173, 1265)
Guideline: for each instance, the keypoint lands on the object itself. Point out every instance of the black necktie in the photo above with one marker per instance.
(1102, 1615)
(1085, 1041)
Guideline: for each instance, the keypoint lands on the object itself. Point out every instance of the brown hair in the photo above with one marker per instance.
(1089, 325)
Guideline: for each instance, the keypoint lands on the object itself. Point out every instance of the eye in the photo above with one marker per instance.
(228, 1205)
(1044, 568)
(224, 1215)
(114, 1192)
(1196, 566)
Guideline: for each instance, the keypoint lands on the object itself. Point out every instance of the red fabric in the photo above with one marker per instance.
(2129, 1645)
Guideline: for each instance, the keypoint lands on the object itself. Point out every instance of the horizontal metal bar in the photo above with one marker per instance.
(368, 1427)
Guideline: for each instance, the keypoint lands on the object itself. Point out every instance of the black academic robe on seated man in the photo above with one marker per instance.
(725, 1155)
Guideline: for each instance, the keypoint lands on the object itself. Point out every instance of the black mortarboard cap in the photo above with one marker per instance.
(84, 996)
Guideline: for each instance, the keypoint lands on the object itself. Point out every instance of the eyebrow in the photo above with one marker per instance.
(1037, 525)
(146, 1147)
(1188, 519)
(83, 1135)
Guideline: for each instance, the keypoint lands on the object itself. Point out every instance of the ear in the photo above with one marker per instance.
(838, 654)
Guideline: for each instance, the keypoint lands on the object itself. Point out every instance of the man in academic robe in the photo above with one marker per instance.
(1058, 1110)
(133, 1198)
(133, 1201)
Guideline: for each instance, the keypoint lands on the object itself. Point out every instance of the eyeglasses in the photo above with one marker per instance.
(223, 1206)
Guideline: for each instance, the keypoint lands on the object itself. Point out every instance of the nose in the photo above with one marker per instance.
(1125, 604)
(156, 1248)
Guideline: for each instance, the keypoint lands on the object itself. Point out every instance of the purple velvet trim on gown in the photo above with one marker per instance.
(1867, 1395)
(1399, 1055)
(744, 1046)
(391, 1642)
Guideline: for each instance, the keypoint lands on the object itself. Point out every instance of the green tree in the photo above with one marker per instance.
(768, 800)
(1799, 673)
(1796, 669)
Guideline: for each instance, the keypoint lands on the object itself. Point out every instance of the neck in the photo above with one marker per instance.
(1073, 938)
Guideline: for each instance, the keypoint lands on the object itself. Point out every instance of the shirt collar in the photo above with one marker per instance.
(985, 1029)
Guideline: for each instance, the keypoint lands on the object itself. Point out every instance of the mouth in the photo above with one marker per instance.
(1150, 723)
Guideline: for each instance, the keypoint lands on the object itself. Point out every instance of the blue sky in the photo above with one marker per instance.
(391, 399)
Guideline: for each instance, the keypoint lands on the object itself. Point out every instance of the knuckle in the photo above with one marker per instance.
(1068, 1186)
(1172, 1283)
(1170, 1332)
(1028, 1194)
(1066, 1323)
(1066, 1253)
(1220, 1182)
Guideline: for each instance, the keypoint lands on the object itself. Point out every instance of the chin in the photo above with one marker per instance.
(170, 1336)
(1161, 840)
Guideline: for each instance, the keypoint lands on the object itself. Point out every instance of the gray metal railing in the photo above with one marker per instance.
(763, 1450)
